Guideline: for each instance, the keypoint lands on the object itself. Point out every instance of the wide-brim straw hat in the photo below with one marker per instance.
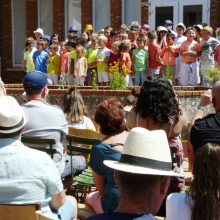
(12, 116)
(135, 23)
(145, 152)
(181, 25)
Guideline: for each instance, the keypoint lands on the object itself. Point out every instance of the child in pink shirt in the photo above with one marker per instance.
(64, 60)
(169, 53)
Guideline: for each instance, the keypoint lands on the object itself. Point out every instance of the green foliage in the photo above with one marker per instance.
(211, 74)
(168, 71)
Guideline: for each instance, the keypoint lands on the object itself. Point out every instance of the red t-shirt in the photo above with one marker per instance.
(114, 58)
(64, 62)
(153, 50)
(108, 45)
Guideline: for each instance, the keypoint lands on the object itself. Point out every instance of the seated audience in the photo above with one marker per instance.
(47, 121)
(28, 175)
(75, 111)
(202, 201)
(205, 129)
(142, 175)
(110, 116)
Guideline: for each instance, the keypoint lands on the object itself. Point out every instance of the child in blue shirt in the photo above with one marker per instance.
(40, 57)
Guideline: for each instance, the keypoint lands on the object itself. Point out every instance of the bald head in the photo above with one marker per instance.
(216, 96)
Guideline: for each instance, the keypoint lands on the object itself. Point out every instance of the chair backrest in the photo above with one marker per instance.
(96, 135)
(79, 132)
(73, 140)
(19, 212)
(39, 216)
(40, 141)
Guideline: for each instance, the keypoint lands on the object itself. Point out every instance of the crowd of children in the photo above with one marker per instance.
(186, 54)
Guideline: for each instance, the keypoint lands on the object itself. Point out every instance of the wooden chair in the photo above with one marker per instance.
(96, 135)
(86, 178)
(29, 141)
(21, 212)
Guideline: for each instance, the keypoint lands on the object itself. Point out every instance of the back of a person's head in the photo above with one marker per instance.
(114, 32)
(157, 100)
(110, 115)
(152, 34)
(137, 186)
(73, 106)
(203, 198)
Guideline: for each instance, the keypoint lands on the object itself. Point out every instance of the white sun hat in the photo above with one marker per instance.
(181, 25)
(145, 152)
(12, 116)
(135, 23)
(162, 29)
(39, 30)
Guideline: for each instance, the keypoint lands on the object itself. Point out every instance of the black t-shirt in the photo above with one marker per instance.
(205, 130)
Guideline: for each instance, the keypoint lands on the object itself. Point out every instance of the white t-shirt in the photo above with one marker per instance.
(178, 41)
(86, 124)
(177, 207)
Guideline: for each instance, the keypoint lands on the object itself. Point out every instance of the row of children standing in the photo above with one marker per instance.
(144, 54)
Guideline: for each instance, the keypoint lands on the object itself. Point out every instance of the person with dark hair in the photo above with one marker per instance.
(157, 107)
(202, 201)
(48, 121)
(28, 175)
(161, 38)
(110, 116)
(142, 175)
(80, 41)
(114, 36)
(86, 36)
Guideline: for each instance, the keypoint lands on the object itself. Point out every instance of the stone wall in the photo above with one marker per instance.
(188, 99)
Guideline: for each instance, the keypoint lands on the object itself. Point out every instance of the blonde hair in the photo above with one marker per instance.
(123, 35)
(41, 42)
(125, 44)
(53, 46)
(133, 32)
(103, 38)
(63, 43)
(80, 47)
(117, 44)
(208, 29)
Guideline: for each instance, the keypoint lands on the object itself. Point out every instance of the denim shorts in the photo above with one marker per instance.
(66, 212)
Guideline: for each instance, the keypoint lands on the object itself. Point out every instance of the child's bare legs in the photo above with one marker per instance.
(107, 83)
(101, 83)
(176, 82)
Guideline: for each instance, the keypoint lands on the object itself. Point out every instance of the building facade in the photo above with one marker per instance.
(19, 19)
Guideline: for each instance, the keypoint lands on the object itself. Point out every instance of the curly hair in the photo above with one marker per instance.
(110, 115)
(157, 100)
(203, 197)
(73, 106)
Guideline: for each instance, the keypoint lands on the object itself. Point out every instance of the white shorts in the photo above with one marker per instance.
(129, 81)
(79, 80)
(178, 66)
(189, 74)
(103, 77)
(53, 78)
(69, 79)
(154, 71)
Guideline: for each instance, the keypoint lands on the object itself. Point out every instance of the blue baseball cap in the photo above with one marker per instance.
(168, 22)
(46, 37)
(34, 80)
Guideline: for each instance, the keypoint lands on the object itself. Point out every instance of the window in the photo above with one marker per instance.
(73, 15)
(45, 16)
(101, 14)
(192, 14)
(18, 30)
(131, 11)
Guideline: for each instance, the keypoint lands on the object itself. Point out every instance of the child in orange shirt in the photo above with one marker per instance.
(169, 53)
(190, 50)
(126, 60)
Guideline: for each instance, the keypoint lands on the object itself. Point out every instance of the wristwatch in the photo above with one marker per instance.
(201, 106)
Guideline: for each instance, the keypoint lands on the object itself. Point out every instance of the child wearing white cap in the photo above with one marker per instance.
(38, 34)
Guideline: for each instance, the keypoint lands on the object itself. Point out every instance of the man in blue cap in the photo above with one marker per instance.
(48, 121)
(168, 24)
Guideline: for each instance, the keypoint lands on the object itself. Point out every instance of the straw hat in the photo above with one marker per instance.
(88, 27)
(135, 23)
(162, 29)
(12, 116)
(145, 152)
